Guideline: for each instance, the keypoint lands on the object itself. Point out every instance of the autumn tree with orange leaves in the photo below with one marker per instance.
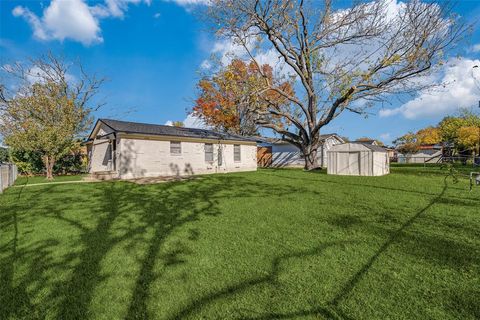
(233, 98)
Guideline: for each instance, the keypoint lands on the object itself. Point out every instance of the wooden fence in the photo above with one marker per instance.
(8, 175)
(264, 156)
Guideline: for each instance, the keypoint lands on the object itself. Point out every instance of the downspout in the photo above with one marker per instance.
(115, 152)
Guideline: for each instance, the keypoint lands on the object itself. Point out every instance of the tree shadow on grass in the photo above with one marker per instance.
(269, 279)
(158, 210)
(330, 310)
(163, 208)
(348, 287)
(14, 296)
(209, 191)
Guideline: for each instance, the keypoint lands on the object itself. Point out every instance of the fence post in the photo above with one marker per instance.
(1, 179)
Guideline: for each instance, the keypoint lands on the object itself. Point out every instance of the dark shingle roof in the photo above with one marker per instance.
(162, 130)
(280, 141)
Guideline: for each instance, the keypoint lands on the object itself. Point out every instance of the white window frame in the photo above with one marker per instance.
(210, 151)
(235, 153)
(174, 144)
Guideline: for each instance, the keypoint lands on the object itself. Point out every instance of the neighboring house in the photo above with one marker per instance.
(285, 154)
(368, 142)
(358, 159)
(127, 150)
(425, 153)
(392, 153)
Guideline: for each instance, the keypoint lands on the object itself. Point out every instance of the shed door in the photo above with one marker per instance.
(354, 163)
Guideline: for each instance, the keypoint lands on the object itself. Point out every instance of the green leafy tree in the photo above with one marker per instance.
(46, 116)
(462, 130)
(178, 124)
(28, 162)
(469, 138)
(429, 135)
(4, 155)
(407, 144)
(449, 128)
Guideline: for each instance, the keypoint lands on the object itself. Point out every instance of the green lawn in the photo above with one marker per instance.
(272, 244)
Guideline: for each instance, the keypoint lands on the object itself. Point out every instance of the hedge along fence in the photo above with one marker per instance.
(8, 175)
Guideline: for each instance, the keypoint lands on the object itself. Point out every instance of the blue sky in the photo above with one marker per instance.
(152, 52)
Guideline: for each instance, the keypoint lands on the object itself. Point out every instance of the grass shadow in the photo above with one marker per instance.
(347, 288)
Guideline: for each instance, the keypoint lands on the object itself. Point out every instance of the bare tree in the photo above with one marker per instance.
(341, 59)
(48, 108)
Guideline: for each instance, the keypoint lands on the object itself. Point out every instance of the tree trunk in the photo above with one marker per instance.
(49, 161)
(310, 155)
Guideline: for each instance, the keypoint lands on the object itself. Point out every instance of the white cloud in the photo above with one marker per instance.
(73, 19)
(185, 3)
(114, 8)
(385, 137)
(157, 15)
(460, 91)
(191, 121)
(475, 48)
(61, 20)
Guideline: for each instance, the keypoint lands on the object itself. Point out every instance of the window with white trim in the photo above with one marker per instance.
(175, 148)
(208, 152)
(236, 153)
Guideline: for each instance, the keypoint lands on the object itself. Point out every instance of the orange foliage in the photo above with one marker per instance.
(230, 99)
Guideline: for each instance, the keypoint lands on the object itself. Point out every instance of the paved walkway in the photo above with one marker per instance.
(60, 182)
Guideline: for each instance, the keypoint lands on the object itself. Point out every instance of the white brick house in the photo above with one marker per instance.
(127, 150)
(285, 154)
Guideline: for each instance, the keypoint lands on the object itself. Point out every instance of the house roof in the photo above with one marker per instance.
(430, 147)
(280, 141)
(162, 130)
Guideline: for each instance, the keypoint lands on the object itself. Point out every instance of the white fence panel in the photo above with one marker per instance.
(8, 175)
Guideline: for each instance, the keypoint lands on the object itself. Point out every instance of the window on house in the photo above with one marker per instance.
(175, 148)
(208, 152)
(236, 153)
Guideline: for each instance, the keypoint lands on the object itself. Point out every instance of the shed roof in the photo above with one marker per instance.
(373, 147)
(163, 130)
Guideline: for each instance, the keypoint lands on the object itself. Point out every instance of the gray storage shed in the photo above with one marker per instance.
(358, 159)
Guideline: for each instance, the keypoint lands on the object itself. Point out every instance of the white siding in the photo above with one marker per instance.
(288, 155)
(100, 153)
(421, 156)
(381, 164)
(357, 160)
(100, 156)
(152, 158)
